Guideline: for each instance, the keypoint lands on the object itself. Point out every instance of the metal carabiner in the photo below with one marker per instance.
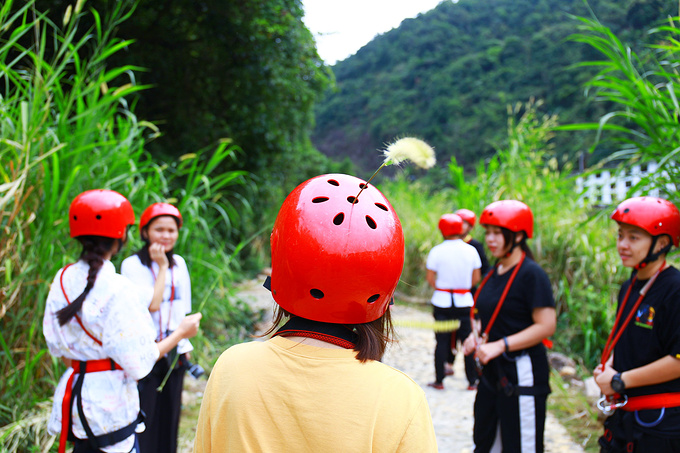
(650, 424)
(608, 409)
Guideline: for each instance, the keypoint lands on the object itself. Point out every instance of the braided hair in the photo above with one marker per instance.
(94, 250)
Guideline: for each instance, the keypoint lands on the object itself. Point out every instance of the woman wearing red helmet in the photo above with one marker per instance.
(96, 324)
(163, 279)
(452, 269)
(639, 373)
(317, 384)
(515, 311)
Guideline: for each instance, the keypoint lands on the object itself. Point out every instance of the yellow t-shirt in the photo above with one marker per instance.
(283, 396)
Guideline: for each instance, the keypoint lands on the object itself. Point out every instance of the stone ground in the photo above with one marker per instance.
(451, 408)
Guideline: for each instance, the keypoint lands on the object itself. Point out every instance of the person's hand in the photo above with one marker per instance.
(188, 328)
(469, 345)
(603, 379)
(489, 351)
(157, 254)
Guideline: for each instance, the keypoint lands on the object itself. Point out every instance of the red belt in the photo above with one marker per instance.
(91, 366)
(657, 401)
(454, 291)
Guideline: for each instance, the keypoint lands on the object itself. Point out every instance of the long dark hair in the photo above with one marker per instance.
(143, 253)
(94, 250)
(373, 336)
(509, 238)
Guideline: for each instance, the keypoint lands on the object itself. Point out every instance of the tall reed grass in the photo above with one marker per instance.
(574, 246)
(66, 126)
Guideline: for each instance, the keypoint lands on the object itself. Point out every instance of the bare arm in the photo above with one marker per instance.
(157, 254)
(431, 278)
(661, 370)
(188, 328)
(476, 276)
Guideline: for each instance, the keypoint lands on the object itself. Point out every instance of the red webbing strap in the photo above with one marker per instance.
(453, 291)
(172, 299)
(614, 335)
(63, 290)
(500, 301)
(636, 403)
(91, 366)
(317, 336)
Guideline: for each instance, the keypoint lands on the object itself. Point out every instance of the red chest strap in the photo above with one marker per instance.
(63, 290)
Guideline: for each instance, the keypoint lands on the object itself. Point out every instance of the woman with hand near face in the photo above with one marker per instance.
(515, 311)
(163, 278)
(639, 374)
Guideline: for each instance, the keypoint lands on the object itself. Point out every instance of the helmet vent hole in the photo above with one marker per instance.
(319, 199)
(338, 219)
(352, 200)
(316, 293)
(98, 217)
(363, 186)
(333, 182)
(371, 223)
(373, 298)
(381, 206)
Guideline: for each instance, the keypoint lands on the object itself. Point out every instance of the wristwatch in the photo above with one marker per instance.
(617, 383)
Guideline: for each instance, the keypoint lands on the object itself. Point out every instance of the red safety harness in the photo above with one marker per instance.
(453, 291)
(72, 393)
(634, 403)
(172, 299)
(473, 312)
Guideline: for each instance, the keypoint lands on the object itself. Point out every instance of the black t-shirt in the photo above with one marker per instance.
(531, 289)
(653, 331)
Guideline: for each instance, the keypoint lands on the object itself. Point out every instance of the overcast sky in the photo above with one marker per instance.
(340, 28)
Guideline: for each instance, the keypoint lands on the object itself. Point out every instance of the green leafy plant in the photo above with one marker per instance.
(66, 126)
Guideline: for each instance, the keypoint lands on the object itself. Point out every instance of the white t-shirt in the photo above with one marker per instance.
(454, 261)
(113, 314)
(171, 313)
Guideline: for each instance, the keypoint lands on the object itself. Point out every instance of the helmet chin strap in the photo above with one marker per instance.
(514, 244)
(651, 256)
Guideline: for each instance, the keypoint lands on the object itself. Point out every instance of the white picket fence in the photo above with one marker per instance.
(610, 186)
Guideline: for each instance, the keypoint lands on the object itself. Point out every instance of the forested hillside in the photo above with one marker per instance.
(448, 76)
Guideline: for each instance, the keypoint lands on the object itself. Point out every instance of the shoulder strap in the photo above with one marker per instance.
(63, 290)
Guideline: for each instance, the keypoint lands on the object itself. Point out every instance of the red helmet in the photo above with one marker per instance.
(510, 214)
(100, 213)
(333, 259)
(159, 209)
(654, 215)
(450, 224)
(467, 215)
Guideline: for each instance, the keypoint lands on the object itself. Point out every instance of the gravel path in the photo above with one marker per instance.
(451, 408)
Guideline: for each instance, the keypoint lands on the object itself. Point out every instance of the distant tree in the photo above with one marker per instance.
(245, 70)
(448, 76)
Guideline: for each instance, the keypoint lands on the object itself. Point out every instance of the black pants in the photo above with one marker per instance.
(520, 426)
(162, 409)
(446, 342)
(83, 446)
(623, 435)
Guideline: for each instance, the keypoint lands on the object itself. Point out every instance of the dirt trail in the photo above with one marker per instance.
(451, 408)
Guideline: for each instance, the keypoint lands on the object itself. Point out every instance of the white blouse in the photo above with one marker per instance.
(172, 311)
(113, 314)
